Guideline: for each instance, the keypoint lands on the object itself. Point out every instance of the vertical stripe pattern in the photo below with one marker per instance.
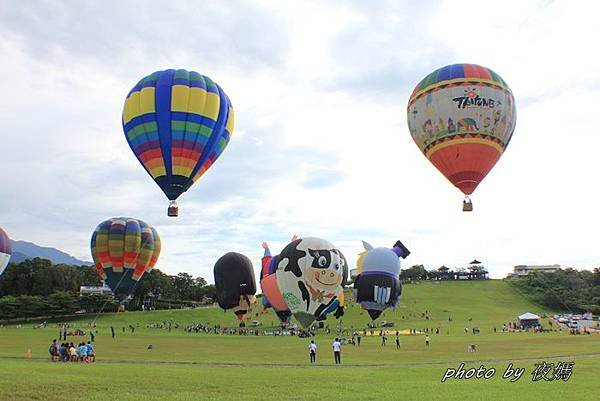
(123, 250)
(177, 123)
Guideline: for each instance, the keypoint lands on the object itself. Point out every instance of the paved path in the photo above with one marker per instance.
(471, 362)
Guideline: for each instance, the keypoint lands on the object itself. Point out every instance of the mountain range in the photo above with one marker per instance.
(22, 250)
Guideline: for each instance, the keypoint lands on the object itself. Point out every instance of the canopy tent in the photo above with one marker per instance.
(529, 319)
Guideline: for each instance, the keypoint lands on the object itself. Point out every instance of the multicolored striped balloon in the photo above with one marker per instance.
(124, 249)
(462, 117)
(177, 124)
(5, 250)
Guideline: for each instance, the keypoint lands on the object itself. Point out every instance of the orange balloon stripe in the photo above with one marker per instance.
(465, 164)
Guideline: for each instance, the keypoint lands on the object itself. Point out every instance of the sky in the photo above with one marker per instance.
(321, 146)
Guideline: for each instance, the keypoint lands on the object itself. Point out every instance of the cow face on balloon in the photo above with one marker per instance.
(310, 273)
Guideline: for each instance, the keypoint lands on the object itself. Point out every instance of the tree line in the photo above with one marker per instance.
(568, 290)
(36, 287)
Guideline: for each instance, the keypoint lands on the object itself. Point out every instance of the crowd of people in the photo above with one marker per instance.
(68, 352)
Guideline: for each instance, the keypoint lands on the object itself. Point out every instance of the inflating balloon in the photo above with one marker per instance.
(177, 124)
(124, 249)
(310, 272)
(5, 250)
(268, 283)
(378, 282)
(234, 283)
(462, 117)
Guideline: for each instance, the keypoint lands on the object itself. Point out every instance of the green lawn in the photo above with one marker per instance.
(189, 366)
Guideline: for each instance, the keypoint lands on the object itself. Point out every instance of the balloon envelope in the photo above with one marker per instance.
(5, 250)
(462, 117)
(234, 282)
(177, 124)
(124, 249)
(309, 273)
(378, 284)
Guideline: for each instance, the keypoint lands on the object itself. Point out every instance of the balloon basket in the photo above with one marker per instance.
(173, 210)
(467, 205)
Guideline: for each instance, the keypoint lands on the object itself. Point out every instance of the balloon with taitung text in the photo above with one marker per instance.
(462, 117)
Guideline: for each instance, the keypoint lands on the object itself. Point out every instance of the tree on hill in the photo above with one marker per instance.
(566, 289)
(414, 273)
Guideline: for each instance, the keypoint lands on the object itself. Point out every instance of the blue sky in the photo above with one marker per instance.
(321, 146)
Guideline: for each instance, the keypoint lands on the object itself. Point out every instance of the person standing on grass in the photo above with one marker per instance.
(112, 331)
(312, 351)
(427, 340)
(397, 341)
(337, 349)
(383, 340)
(91, 354)
(358, 339)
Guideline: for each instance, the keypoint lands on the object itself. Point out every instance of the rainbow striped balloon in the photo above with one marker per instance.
(177, 124)
(123, 250)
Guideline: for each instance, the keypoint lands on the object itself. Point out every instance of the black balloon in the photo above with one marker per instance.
(234, 282)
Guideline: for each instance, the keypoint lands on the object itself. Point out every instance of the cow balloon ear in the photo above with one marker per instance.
(367, 246)
(400, 250)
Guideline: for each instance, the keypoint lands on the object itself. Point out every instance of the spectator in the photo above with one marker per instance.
(73, 356)
(90, 352)
(82, 352)
(312, 350)
(54, 351)
(337, 349)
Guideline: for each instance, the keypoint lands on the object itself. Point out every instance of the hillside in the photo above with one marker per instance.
(23, 250)
(488, 303)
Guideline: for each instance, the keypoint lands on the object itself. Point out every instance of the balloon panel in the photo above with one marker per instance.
(4, 259)
(272, 293)
(5, 250)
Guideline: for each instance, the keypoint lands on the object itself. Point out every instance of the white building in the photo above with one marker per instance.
(524, 270)
(88, 289)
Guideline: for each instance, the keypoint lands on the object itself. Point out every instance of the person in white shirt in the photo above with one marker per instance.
(312, 350)
(337, 348)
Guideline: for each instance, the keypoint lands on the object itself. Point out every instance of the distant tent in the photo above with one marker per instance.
(529, 320)
(475, 262)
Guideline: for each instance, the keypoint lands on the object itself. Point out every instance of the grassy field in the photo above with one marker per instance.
(190, 366)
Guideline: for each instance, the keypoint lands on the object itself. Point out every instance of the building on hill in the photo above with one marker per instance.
(529, 320)
(444, 273)
(477, 271)
(524, 270)
(88, 289)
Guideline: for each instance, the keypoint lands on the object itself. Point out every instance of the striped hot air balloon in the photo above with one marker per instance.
(462, 117)
(177, 124)
(5, 250)
(124, 249)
